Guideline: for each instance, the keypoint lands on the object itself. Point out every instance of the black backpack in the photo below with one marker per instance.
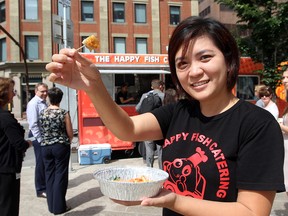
(150, 102)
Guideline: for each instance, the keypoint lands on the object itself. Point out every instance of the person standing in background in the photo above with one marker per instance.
(122, 95)
(259, 102)
(157, 87)
(266, 93)
(170, 96)
(12, 149)
(57, 135)
(284, 125)
(34, 107)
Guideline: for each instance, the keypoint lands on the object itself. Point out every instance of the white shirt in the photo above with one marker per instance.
(34, 107)
(273, 109)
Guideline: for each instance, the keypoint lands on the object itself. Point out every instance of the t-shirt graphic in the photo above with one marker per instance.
(183, 169)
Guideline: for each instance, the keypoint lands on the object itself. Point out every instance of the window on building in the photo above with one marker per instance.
(2, 12)
(31, 9)
(3, 51)
(224, 7)
(32, 47)
(140, 13)
(119, 45)
(87, 10)
(119, 12)
(205, 12)
(141, 45)
(174, 15)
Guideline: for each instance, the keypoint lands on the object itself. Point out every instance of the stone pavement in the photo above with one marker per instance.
(83, 194)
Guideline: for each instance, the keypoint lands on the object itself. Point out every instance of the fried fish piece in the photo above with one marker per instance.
(91, 42)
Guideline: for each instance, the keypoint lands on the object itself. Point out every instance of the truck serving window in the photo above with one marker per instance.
(245, 86)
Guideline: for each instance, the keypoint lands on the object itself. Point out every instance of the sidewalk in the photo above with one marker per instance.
(83, 194)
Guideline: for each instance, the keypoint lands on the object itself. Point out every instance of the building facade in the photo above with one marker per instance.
(209, 8)
(32, 30)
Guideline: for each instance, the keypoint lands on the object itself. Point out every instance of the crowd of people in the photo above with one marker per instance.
(50, 134)
(215, 147)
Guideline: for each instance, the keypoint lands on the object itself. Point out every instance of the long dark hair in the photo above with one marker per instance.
(194, 27)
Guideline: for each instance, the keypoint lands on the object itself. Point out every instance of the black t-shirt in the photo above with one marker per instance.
(211, 158)
(119, 95)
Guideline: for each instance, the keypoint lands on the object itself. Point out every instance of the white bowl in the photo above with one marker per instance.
(129, 191)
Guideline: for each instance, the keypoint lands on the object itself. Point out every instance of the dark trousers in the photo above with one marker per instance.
(56, 160)
(40, 183)
(9, 194)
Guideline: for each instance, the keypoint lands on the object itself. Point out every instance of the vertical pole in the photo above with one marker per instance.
(64, 26)
(65, 46)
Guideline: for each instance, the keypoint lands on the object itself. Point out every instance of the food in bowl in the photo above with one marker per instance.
(134, 180)
(123, 183)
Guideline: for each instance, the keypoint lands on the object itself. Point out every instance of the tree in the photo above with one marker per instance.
(267, 24)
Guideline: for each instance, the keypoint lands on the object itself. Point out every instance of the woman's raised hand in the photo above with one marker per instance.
(70, 69)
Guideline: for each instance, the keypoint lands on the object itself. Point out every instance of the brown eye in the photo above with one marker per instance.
(181, 65)
(205, 57)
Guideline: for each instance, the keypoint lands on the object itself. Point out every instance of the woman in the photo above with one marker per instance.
(216, 147)
(57, 134)
(259, 102)
(12, 149)
(284, 125)
(122, 96)
(265, 94)
(170, 96)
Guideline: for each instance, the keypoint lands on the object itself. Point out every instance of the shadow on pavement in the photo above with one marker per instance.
(282, 212)
(87, 212)
(85, 196)
(79, 180)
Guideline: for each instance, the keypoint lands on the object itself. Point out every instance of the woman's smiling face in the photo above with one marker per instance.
(202, 72)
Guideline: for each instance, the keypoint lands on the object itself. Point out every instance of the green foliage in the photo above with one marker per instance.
(270, 77)
(267, 24)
